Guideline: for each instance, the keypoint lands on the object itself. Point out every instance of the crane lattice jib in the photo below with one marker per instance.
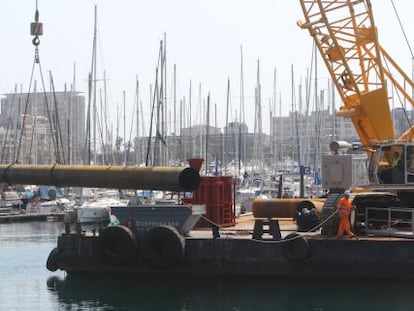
(346, 37)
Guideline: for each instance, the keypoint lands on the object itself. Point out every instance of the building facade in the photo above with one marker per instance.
(52, 122)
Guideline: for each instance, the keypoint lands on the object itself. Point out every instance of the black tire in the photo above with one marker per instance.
(307, 220)
(117, 245)
(52, 263)
(164, 247)
(296, 247)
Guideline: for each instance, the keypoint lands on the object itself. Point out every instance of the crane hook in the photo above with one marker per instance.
(36, 28)
(36, 41)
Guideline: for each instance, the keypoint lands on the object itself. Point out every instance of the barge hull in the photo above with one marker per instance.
(247, 258)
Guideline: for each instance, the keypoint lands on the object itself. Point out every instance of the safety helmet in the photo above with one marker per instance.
(347, 193)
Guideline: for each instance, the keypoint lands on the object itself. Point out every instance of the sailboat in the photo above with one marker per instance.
(93, 206)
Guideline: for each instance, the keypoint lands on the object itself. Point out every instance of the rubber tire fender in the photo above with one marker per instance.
(117, 245)
(52, 263)
(296, 247)
(164, 247)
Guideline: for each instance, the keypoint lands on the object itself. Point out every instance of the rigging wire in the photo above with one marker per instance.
(100, 121)
(402, 28)
(154, 102)
(6, 136)
(55, 124)
(128, 149)
(409, 121)
(25, 113)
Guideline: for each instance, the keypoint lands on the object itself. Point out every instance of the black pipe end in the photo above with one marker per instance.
(189, 179)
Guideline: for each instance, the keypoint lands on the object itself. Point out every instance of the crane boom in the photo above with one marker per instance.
(346, 37)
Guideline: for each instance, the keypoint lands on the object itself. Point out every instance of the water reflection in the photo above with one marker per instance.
(120, 294)
(30, 232)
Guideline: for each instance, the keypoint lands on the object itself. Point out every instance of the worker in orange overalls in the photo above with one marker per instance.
(345, 206)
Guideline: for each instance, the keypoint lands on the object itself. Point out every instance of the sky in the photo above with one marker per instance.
(204, 39)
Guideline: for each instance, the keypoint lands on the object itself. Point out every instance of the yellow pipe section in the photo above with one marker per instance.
(284, 208)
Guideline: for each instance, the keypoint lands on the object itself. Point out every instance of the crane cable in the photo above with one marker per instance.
(402, 28)
(36, 40)
(412, 58)
(36, 29)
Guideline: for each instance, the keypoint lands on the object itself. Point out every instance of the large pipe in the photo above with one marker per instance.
(115, 177)
(283, 208)
(338, 145)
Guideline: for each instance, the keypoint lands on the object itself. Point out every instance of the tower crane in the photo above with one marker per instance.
(346, 37)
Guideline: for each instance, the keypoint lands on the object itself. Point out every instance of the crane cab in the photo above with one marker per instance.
(392, 163)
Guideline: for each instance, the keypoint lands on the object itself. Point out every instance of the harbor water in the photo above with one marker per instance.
(26, 284)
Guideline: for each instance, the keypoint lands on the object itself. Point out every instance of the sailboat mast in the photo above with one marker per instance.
(94, 83)
(181, 146)
(125, 137)
(200, 105)
(190, 120)
(175, 110)
(87, 147)
(295, 134)
(281, 132)
(226, 127)
(215, 134)
(165, 104)
(175, 102)
(242, 144)
(318, 117)
(105, 150)
(137, 139)
(34, 123)
(147, 154)
(332, 88)
(272, 125)
(258, 147)
(71, 113)
(207, 130)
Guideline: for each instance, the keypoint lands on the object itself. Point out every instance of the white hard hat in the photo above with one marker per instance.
(347, 193)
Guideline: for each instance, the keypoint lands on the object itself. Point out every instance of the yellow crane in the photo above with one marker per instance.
(363, 72)
(347, 39)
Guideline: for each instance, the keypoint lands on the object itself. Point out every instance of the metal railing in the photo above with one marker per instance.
(397, 222)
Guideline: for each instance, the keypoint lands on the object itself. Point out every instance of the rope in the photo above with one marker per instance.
(299, 235)
(284, 240)
(323, 222)
(210, 222)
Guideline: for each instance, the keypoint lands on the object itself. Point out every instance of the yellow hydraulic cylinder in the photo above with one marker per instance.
(112, 177)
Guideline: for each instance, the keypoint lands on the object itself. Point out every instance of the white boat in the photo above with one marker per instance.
(35, 205)
(97, 211)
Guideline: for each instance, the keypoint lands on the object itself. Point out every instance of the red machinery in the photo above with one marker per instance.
(217, 193)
